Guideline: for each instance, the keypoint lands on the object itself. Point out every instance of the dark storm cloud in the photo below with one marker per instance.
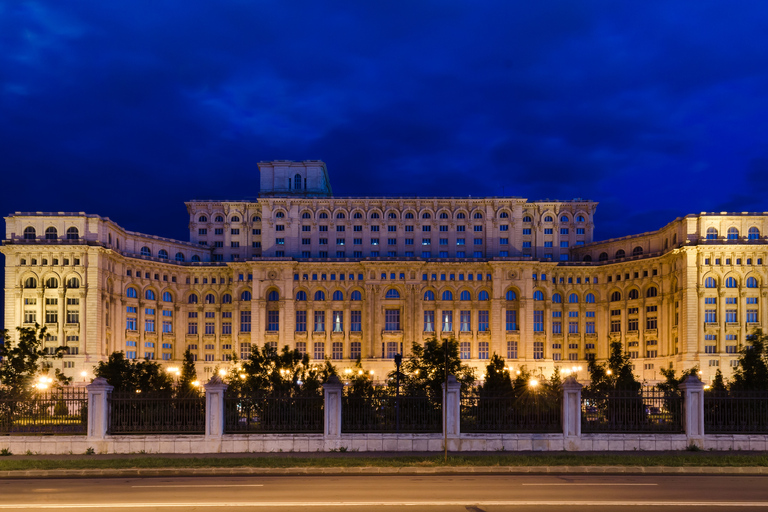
(126, 110)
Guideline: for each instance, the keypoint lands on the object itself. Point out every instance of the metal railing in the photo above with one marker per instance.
(146, 413)
(405, 414)
(630, 411)
(61, 411)
(736, 412)
(244, 415)
(527, 413)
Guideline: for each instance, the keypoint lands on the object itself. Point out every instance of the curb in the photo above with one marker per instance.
(384, 471)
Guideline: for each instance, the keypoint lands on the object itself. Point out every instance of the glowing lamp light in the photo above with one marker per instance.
(348, 371)
(533, 383)
(195, 383)
(360, 372)
(608, 372)
(83, 374)
(707, 387)
(222, 372)
(371, 372)
(172, 369)
(518, 372)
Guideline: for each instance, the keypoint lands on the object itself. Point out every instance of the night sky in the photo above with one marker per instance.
(127, 109)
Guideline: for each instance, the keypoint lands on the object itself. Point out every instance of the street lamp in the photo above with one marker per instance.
(398, 362)
(84, 374)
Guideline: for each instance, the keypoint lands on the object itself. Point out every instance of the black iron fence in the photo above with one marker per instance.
(405, 414)
(244, 415)
(736, 412)
(59, 411)
(631, 411)
(146, 413)
(525, 414)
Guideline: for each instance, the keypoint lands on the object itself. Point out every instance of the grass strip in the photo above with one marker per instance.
(559, 459)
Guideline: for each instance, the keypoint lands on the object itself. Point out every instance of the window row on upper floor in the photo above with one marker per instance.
(733, 233)
(51, 233)
(163, 255)
(551, 218)
(193, 298)
(391, 215)
(51, 282)
(222, 218)
(731, 282)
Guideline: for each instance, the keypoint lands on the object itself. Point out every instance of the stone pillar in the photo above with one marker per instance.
(214, 407)
(693, 409)
(451, 407)
(98, 408)
(571, 413)
(332, 393)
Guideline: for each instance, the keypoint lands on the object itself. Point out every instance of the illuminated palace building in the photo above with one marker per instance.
(348, 277)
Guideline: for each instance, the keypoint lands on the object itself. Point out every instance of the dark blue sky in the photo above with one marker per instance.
(125, 109)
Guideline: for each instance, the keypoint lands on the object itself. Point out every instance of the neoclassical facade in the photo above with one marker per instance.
(348, 277)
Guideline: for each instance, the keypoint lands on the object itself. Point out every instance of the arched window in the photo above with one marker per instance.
(429, 295)
(281, 215)
(464, 295)
(149, 295)
(710, 283)
(306, 215)
(733, 234)
(511, 295)
(652, 292)
(192, 298)
(548, 218)
(730, 283)
(297, 182)
(603, 256)
(711, 234)
(195, 258)
(426, 215)
(590, 298)
(73, 282)
(162, 254)
(131, 293)
(409, 215)
(341, 215)
(31, 282)
(167, 297)
(146, 252)
(256, 218)
(637, 251)
(573, 298)
(633, 294)
(29, 233)
(246, 295)
(564, 218)
(180, 256)
(51, 282)
(587, 258)
(323, 215)
(527, 218)
(273, 296)
(202, 218)
(219, 218)
(477, 215)
(358, 215)
(615, 296)
(356, 295)
(443, 215)
(447, 295)
(235, 219)
(226, 298)
(74, 234)
(301, 295)
(538, 295)
(753, 234)
(580, 218)
(374, 215)
(319, 295)
(666, 243)
(751, 282)
(483, 295)
(461, 216)
(620, 254)
(556, 298)
(392, 215)
(51, 233)
(338, 295)
(392, 294)
(503, 215)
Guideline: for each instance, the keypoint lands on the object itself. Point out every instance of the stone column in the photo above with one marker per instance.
(214, 408)
(571, 413)
(693, 409)
(332, 394)
(451, 407)
(98, 408)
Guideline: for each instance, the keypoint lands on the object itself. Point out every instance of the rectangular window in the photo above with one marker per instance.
(337, 350)
(710, 316)
(615, 325)
(51, 316)
(429, 321)
(465, 324)
(391, 349)
(226, 328)
(751, 316)
(573, 327)
(511, 350)
(590, 327)
(426, 241)
(356, 324)
(526, 231)
(319, 325)
(651, 322)
(465, 350)
(460, 241)
(557, 327)
(447, 325)
(632, 324)
(301, 321)
(73, 316)
(538, 321)
(210, 328)
(338, 321)
(149, 325)
(245, 321)
(130, 324)
(730, 316)
(538, 347)
(511, 315)
(319, 350)
(526, 245)
(563, 231)
(273, 321)
(355, 350)
(167, 327)
(504, 241)
(482, 322)
(391, 319)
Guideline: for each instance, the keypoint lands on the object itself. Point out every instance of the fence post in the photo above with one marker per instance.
(98, 408)
(452, 407)
(571, 412)
(693, 409)
(332, 407)
(214, 407)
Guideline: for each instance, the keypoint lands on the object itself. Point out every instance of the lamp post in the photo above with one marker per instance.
(398, 362)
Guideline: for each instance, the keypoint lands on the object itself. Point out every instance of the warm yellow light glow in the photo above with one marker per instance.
(608, 372)
(242, 376)
(566, 371)
(172, 369)
(533, 383)
(138, 391)
(518, 372)
(83, 374)
(195, 383)
(701, 372)
(707, 386)
(348, 371)
(222, 372)
(371, 372)
(360, 372)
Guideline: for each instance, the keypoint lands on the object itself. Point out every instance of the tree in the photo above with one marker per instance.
(752, 372)
(423, 372)
(126, 375)
(498, 382)
(188, 375)
(671, 383)
(718, 383)
(617, 374)
(22, 361)
(360, 383)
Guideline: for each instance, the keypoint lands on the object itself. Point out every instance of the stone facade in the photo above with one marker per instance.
(519, 278)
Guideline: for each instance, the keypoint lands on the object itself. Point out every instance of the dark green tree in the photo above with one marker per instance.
(126, 375)
(718, 383)
(23, 361)
(752, 372)
(498, 382)
(616, 374)
(361, 383)
(671, 382)
(188, 375)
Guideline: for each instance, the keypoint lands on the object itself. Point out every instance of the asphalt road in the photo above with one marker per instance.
(386, 493)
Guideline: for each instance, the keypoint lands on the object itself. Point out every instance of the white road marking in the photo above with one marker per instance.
(195, 486)
(583, 485)
(285, 504)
